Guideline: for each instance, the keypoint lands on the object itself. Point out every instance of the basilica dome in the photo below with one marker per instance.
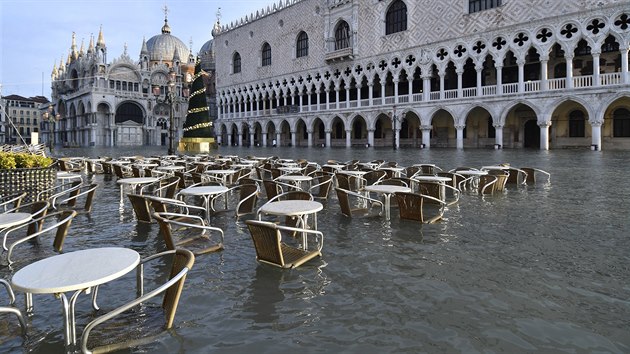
(206, 56)
(162, 47)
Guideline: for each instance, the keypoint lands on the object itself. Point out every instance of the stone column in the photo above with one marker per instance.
(319, 98)
(498, 135)
(396, 81)
(544, 74)
(293, 138)
(300, 101)
(219, 139)
(358, 95)
(426, 88)
(240, 138)
(596, 132)
(569, 82)
(410, 87)
(278, 139)
(521, 75)
(382, 92)
(310, 137)
(327, 90)
(426, 135)
(348, 96)
(442, 74)
(337, 89)
(264, 139)
(544, 135)
(371, 137)
(328, 138)
(596, 80)
(460, 90)
(348, 138)
(479, 70)
(499, 79)
(460, 136)
(229, 139)
(371, 93)
(624, 65)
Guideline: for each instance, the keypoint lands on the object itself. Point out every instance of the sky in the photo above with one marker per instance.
(36, 34)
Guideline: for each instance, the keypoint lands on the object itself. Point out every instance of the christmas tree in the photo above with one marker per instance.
(198, 123)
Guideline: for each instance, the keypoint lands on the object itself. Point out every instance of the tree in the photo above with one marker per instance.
(198, 123)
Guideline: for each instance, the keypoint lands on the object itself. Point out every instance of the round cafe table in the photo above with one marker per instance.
(298, 208)
(134, 182)
(13, 219)
(387, 191)
(79, 271)
(205, 192)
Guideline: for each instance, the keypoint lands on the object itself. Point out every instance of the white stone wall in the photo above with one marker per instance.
(429, 23)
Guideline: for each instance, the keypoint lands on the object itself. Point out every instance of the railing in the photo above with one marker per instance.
(417, 97)
(377, 101)
(342, 105)
(532, 86)
(434, 96)
(365, 103)
(510, 88)
(610, 79)
(322, 107)
(390, 100)
(583, 81)
(469, 92)
(489, 90)
(403, 99)
(557, 84)
(354, 104)
(450, 94)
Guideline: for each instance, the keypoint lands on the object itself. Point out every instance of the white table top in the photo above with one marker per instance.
(170, 168)
(335, 166)
(203, 190)
(354, 173)
(290, 169)
(145, 164)
(137, 180)
(75, 270)
(386, 188)
(389, 168)
(67, 175)
(432, 178)
(294, 178)
(472, 172)
(495, 167)
(12, 219)
(291, 207)
(220, 172)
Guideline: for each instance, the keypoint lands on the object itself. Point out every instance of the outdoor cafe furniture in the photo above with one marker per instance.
(414, 206)
(134, 183)
(208, 193)
(533, 172)
(84, 194)
(435, 186)
(78, 272)
(472, 179)
(297, 180)
(11, 201)
(347, 205)
(11, 308)
(271, 249)
(387, 191)
(57, 222)
(197, 232)
(111, 332)
(298, 209)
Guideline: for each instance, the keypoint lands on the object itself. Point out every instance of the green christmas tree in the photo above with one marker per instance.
(198, 123)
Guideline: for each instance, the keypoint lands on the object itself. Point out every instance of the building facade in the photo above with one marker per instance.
(448, 73)
(22, 116)
(122, 102)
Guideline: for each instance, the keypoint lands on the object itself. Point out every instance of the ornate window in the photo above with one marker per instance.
(301, 48)
(236, 63)
(621, 123)
(342, 35)
(266, 54)
(396, 19)
(576, 124)
(480, 5)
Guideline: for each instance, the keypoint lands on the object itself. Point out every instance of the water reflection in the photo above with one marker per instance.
(264, 294)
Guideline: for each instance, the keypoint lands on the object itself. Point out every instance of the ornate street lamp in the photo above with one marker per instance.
(52, 118)
(169, 99)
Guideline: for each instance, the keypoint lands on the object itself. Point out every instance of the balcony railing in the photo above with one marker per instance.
(533, 86)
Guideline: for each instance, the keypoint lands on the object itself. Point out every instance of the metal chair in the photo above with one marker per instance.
(195, 229)
(270, 248)
(367, 203)
(414, 206)
(11, 308)
(58, 221)
(112, 330)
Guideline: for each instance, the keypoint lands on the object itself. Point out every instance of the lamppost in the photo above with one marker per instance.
(51, 117)
(395, 120)
(169, 99)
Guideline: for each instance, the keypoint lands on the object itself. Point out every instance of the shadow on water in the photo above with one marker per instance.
(541, 268)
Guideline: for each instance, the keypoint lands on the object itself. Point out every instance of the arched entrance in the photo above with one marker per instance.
(532, 135)
(129, 124)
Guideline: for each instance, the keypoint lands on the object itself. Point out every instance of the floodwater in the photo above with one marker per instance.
(541, 268)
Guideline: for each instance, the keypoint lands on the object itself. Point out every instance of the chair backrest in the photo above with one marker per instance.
(343, 181)
(324, 185)
(410, 206)
(502, 178)
(141, 208)
(182, 260)
(165, 230)
(374, 176)
(532, 172)
(395, 181)
(248, 197)
(432, 189)
(267, 243)
(37, 210)
(12, 201)
(182, 179)
(487, 184)
(412, 170)
(271, 188)
(118, 171)
(88, 191)
(344, 201)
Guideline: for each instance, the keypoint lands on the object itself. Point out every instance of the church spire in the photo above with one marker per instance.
(166, 29)
(100, 42)
(145, 49)
(73, 48)
(91, 45)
